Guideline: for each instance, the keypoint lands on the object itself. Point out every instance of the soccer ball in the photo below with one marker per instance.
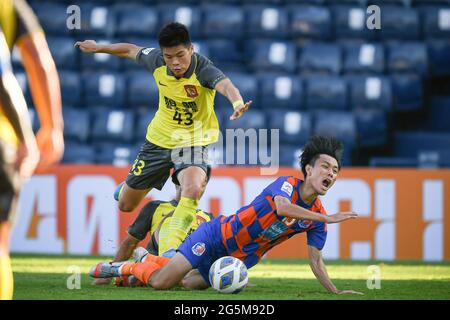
(228, 275)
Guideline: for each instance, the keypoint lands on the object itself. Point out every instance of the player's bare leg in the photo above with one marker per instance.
(193, 181)
(194, 281)
(130, 198)
(171, 273)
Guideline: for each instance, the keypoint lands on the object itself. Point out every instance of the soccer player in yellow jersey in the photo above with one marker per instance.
(184, 125)
(19, 153)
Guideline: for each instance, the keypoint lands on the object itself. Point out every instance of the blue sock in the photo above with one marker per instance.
(118, 191)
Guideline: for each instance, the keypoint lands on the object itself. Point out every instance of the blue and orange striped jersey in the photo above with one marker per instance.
(257, 227)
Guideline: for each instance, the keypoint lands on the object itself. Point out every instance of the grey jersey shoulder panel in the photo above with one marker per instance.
(150, 58)
(207, 73)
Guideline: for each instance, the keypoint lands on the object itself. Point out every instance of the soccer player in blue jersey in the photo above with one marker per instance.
(284, 208)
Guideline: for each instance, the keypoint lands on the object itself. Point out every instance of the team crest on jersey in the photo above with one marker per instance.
(199, 248)
(304, 223)
(287, 187)
(191, 91)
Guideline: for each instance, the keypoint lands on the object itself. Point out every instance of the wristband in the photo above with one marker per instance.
(237, 103)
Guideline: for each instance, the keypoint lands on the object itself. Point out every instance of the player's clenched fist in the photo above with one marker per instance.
(87, 46)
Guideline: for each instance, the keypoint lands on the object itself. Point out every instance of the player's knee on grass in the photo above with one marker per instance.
(194, 281)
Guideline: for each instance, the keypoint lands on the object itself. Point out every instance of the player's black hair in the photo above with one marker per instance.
(318, 145)
(174, 34)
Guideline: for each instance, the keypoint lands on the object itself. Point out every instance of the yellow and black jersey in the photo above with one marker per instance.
(185, 115)
(151, 218)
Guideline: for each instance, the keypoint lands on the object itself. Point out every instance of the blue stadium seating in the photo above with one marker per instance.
(439, 51)
(272, 56)
(144, 116)
(364, 58)
(97, 20)
(77, 124)
(295, 127)
(70, 88)
(399, 23)
(223, 21)
(121, 155)
(436, 21)
(201, 47)
(278, 91)
(339, 124)
(248, 87)
(63, 52)
(224, 53)
(142, 89)
(100, 61)
(253, 119)
(309, 21)
(438, 120)
(137, 20)
(188, 15)
(321, 57)
(408, 57)
(104, 89)
(350, 22)
(372, 127)
(412, 144)
(78, 153)
(326, 92)
(266, 21)
(52, 17)
(407, 90)
(290, 155)
(367, 92)
(393, 162)
(113, 125)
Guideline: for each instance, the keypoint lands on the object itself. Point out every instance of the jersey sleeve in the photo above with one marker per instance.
(283, 186)
(150, 58)
(317, 236)
(142, 225)
(209, 75)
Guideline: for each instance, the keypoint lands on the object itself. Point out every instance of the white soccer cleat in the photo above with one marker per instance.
(139, 254)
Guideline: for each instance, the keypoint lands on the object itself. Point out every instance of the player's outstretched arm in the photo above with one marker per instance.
(228, 89)
(318, 268)
(122, 50)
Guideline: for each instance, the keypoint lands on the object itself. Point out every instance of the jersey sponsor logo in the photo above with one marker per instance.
(287, 187)
(275, 230)
(199, 248)
(191, 91)
(304, 223)
(146, 51)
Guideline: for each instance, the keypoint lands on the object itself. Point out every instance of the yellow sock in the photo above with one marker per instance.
(6, 278)
(180, 223)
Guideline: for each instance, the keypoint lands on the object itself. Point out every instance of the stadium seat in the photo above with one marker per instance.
(436, 21)
(326, 92)
(248, 87)
(372, 127)
(104, 89)
(137, 20)
(321, 57)
(367, 92)
(224, 53)
(201, 47)
(113, 125)
(408, 57)
(76, 130)
(412, 144)
(100, 61)
(399, 23)
(144, 117)
(350, 22)
(120, 155)
(252, 119)
(309, 21)
(407, 91)
(393, 162)
(52, 17)
(63, 52)
(70, 83)
(223, 21)
(439, 51)
(364, 58)
(188, 15)
(339, 124)
(279, 91)
(439, 115)
(290, 155)
(266, 21)
(97, 19)
(266, 55)
(142, 90)
(78, 153)
(295, 127)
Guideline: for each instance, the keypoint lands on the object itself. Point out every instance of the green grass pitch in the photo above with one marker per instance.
(46, 277)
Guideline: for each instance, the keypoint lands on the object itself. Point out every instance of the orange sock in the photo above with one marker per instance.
(144, 271)
(126, 269)
(161, 261)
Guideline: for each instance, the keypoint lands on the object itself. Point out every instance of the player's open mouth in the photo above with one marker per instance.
(326, 183)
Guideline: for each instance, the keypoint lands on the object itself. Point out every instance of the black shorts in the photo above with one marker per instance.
(8, 187)
(152, 166)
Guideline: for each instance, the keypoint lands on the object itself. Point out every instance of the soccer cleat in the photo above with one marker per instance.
(106, 269)
(139, 254)
(169, 253)
(118, 191)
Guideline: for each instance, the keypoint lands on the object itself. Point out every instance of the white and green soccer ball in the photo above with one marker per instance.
(228, 275)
